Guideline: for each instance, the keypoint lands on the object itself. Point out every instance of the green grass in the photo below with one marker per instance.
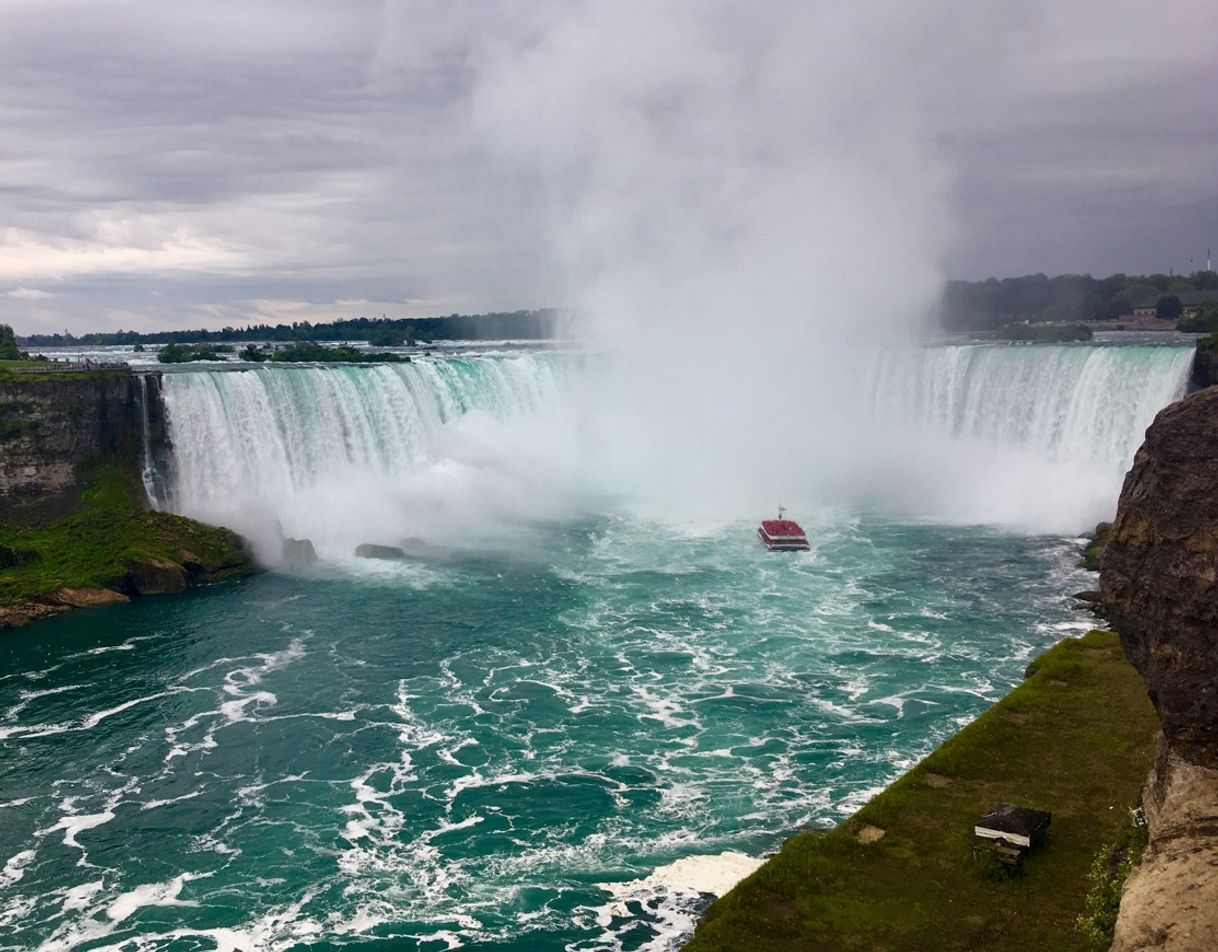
(87, 549)
(1074, 739)
(34, 370)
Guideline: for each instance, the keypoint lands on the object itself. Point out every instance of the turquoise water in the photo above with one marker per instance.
(566, 723)
(458, 751)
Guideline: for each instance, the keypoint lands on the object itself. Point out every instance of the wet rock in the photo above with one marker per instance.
(1099, 538)
(370, 551)
(1091, 596)
(87, 597)
(299, 552)
(154, 577)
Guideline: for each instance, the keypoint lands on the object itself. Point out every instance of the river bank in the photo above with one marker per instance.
(110, 548)
(1076, 739)
(76, 529)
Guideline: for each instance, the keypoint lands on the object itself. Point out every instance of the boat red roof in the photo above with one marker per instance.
(781, 527)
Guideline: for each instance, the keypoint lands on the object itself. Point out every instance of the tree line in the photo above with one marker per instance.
(997, 302)
(381, 332)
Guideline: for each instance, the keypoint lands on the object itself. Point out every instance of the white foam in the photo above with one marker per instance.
(79, 897)
(25, 697)
(14, 869)
(76, 824)
(150, 894)
(712, 873)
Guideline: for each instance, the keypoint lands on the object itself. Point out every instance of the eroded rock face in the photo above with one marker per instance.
(1158, 575)
(1170, 903)
(1160, 569)
(154, 577)
(51, 427)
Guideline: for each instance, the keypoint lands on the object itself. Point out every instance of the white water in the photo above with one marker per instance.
(350, 454)
(474, 449)
(1033, 437)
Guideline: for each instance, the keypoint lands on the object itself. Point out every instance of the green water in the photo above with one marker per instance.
(456, 752)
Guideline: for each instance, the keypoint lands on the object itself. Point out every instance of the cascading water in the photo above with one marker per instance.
(1087, 403)
(341, 454)
(148, 474)
(1037, 438)
(1032, 437)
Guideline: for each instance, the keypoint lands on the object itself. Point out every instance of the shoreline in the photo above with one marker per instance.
(1074, 738)
(109, 549)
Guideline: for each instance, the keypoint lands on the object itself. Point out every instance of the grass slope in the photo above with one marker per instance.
(1074, 739)
(87, 549)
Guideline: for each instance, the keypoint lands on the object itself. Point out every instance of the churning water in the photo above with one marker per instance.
(559, 724)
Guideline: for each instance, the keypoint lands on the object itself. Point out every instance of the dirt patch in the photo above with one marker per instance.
(936, 780)
(869, 834)
(1017, 717)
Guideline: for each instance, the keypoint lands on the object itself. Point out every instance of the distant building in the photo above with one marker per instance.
(1191, 301)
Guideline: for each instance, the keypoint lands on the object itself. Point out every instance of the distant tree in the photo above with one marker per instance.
(1168, 308)
(173, 353)
(1133, 294)
(254, 354)
(386, 335)
(1205, 280)
(8, 345)
(1205, 321)
(1044, 333)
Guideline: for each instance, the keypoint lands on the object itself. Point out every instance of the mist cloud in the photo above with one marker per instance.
(169, 165)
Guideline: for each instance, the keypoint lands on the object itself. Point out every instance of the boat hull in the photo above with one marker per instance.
(784, 543)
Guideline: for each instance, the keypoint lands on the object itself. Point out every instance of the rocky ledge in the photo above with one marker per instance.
(1158, 575)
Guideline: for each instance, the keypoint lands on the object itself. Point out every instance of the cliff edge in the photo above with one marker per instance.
(75, 526)
(1158, 576)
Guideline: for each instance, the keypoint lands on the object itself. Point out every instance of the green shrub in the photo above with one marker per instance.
(1045, 333)
(1106, 880)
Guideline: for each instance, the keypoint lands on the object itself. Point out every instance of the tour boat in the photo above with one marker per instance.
(782, 535)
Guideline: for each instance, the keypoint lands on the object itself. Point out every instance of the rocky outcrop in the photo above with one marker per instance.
(1158, 575)
(1170, 902)
(371, 551)
(1160, 568)
(154, 577)
(53, 427)
(1205, 365)
(299, 552)
(18, 616)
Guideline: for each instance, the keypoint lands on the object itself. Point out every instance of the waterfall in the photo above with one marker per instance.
(148, 473)
(1037, 437)
(1089, 403)
(346, 453)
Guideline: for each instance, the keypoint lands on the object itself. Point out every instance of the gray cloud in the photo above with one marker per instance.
(185, 164)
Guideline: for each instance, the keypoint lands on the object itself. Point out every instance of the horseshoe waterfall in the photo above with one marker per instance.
(555, 718)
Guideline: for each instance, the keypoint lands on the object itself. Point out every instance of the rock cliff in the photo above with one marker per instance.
(54, 427)
(1158, 578)
(75, 527)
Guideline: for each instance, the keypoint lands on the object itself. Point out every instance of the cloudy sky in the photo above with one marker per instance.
(201, 164)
